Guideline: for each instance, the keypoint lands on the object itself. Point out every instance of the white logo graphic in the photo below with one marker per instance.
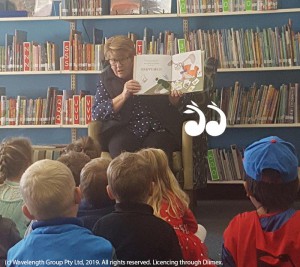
(213, 128)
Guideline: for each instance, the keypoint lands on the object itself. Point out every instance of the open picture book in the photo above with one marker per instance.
(159, 74)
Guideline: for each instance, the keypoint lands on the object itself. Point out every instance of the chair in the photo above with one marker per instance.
(183, 161)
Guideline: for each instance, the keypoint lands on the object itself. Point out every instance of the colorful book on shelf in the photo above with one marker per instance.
(156, 6)
(159, 74)
(125, 7)
(89, 100)
(212, 165)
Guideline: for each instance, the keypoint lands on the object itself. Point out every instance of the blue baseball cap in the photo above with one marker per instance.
(271, 153)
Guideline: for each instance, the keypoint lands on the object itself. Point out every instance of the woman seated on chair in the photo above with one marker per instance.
(130, 121)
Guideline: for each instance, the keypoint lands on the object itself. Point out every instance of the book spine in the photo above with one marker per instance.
(88, 108)
(139, 47)
(66, 55)
(58, 109)
(3, 110)
(212, 166)
(76, 108)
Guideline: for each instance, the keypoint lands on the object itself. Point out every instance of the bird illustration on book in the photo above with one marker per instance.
(163, 86)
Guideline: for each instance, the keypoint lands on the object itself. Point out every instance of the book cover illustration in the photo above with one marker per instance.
(125, 7)
(156, 6)
(159, 74)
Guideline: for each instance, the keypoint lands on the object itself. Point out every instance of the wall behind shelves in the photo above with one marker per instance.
(36, 85)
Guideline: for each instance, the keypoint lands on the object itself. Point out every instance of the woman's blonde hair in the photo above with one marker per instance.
(48, 189)
(119, 44)
(166, 187)
(15, 156)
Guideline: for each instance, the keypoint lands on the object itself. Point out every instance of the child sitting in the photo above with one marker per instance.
(51, 198)
(95, 201)
(171, 204)
(9, 236)
(270, 235)
(75, 161)
(134, 231)
(85, 144)
(15, 157)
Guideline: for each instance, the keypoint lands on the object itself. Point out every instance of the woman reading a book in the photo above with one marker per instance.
(130, 121)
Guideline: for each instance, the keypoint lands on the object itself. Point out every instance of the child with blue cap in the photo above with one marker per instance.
(270, 235)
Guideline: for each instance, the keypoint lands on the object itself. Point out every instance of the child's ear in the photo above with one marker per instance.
(77, 195)
(110, 193)
(27, 213)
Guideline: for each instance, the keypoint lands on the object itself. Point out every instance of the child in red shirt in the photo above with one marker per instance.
(270, 235)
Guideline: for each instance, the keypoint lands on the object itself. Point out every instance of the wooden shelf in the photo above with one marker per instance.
(105, 17)
(30, 72)
(46, 126)
(11, 19)
(292, 68)
(273, 125)
(241, 13)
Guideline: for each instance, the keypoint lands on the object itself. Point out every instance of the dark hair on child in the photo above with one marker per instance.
(271, 192)
(93, 182)
(75, 161)
(85, 144)
(15, 156)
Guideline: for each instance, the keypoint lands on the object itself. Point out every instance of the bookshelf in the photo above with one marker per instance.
(244, 134)
(35, 83)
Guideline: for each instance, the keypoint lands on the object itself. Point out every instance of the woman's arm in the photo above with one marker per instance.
(103, 107)
(106, 108)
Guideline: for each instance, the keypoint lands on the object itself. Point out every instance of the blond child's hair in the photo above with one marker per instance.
(166, 186)
(93, 182)
(15, 156)
(117, 44)
(130, 178)
(48, 189)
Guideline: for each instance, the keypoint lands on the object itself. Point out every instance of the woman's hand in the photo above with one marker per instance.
(174, 97)
(131, 87)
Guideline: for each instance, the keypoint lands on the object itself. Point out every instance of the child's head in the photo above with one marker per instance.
(85, 144)
(93, 183)
(49, 191)
(15, 157)
(75, 161)
(271, 167)
(130, 178)
(166, 186)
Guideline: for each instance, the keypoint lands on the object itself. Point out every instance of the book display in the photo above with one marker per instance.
(256, 43)
(159, 74)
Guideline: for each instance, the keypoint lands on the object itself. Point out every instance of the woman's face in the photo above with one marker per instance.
(122, 65)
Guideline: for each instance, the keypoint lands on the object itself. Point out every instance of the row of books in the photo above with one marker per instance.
(79, 55)
(248, 48)
(20, 55)
(114, 7)
(259, 104)
(212, 6)
(241, 48)
(52, 152)
(225, 164)
(60, 107)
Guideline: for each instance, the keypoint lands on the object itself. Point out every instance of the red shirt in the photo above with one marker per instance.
(269, 240)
